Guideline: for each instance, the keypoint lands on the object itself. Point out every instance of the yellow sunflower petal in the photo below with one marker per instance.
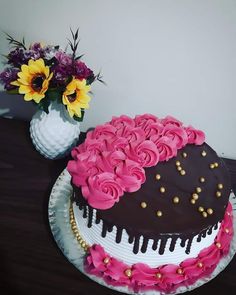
(24, 89)
(15, 83)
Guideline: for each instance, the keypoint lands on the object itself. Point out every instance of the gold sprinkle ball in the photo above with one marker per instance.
(220, 186)
(162, 189)
(158, 275)
(177, 163)
(184, 155)
(176, 200)
(159, 213)
(143, 205)
(200, 264)
(182, 172)
(212, 166)
(227, 230)
(216, 164)
(210, 211)
(200, 209)
(204, 214)
(195, 196)
(106, 260)
(179, 168)
(128, 272)
(218, 194)
(202, 179)
(193, 201)
(179, 271)
(198, 189)
(218, 245)
(204, 153)
(158, 176)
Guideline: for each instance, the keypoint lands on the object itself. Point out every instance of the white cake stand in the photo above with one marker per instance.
(58, 211)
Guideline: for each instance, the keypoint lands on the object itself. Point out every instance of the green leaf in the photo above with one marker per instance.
(79, 119)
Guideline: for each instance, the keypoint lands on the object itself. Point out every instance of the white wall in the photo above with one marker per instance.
(160, 56)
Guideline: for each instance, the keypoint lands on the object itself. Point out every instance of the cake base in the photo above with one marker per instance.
(59, 219)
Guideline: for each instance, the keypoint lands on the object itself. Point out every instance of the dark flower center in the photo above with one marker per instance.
(37, 82)
(72, 97)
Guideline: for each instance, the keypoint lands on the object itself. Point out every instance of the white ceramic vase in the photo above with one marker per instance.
(54, 134)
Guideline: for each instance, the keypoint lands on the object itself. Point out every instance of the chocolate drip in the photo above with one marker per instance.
(144, 245)
(119, 234)
(131, 239)
(216, 226)
(204, 233)
(136, 244)
(189, 244)
(85, 212)
(154, 245)
(90, 216)
(162, 245)
(104, 229)
(209, 232)
(183, 241)
(172, 244)
(199, 237)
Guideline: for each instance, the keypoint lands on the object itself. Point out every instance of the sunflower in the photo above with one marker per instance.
(33, 80)
(75, 97)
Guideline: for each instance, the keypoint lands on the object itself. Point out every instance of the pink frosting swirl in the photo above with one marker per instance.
(102, 190)
(171, 120)
(177, 134)
(131, 134)
(130, 175)
(166, 147)
(121, 122)
(144, 120)
(195, 136)
(102, 132)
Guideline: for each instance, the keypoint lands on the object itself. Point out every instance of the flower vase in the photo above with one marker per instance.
(54, 134)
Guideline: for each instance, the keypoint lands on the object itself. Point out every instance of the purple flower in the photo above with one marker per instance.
(17, 57)
(7, 76)
(81, 71)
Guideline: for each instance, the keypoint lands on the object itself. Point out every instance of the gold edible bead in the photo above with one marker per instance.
(179, 271)
(226, 230)
(195, 196)
(200, 264)
(177, 163)
(179, 168)
(158, 176)
(176, 200)
(143, 205)
(162, 189)
(159, 213)
(198, 189)
(159, 275)
(218, 245)
(212, 166)
(218, 194)
(200, 209)
(83, 244)
(210, 211)
(184, 155)
(182, 172)
(220, 186)
(106, 260)
(204, 153)
(79, 239)
(192, 201)
(128, 272)
(202, 179)
(204, 214)
(216, 164)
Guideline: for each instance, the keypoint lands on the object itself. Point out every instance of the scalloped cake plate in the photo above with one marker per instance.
(59, 220)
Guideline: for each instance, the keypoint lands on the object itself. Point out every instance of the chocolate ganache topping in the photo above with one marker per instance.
(181, 198)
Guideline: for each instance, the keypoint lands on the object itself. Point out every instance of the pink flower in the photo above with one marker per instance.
(102, 132)
(130, 175)
(121, 122)
(145, 275)
(116, 272)
(102, 190)
(177, 134)
(108, 161)
(166, 147)
(195, 136)
(145, 153)
(171, 120)
(145, 120)
(95, 262)
(131, 134)
(152, 129)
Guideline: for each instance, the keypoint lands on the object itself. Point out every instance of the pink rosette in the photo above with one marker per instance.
(77, 150)
(177, 134)
(102, 191)
(102, 132)
(171, 120)
(195, 136)
(152, 129)
(143, 121)
(144, 275)
(118, 144)
(108, 161)
(131, 134)
(122, 121)
(94, 262)
(130, 175)
(166, 147)
(145, 153)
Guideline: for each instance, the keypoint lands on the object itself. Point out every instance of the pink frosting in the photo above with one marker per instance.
(165, 278)
(114, 148)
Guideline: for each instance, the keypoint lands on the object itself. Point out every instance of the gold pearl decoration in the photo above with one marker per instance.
(204, 214)
(200, 209)
(202, 179)
(179, 168)
(179, 271)
(106, 260)
(176, 200)
(204, 153)
(220, 186)
(216, 164)
(218, 245)
(182, 172)
(200, 264)
(159, 213)
(143, 205)
(128, 272)
(177, 163)
(195, 196)
(226, 230)
(198, 189)
(162, 189)
(192, 201)
(159, 275)
(158, 176)
(218, 194)
(210, 211)
(184, 155)
(212, 165)
(75, 230)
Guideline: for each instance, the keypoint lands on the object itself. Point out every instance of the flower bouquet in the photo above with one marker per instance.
(55, 80)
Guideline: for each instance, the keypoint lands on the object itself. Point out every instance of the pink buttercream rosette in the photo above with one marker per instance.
(112, 158)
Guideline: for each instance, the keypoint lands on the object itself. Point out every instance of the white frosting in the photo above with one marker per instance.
(124, 250)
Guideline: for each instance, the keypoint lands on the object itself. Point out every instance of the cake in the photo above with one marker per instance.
(150, 203)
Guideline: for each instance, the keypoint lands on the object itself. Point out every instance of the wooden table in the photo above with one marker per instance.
(30, 261)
